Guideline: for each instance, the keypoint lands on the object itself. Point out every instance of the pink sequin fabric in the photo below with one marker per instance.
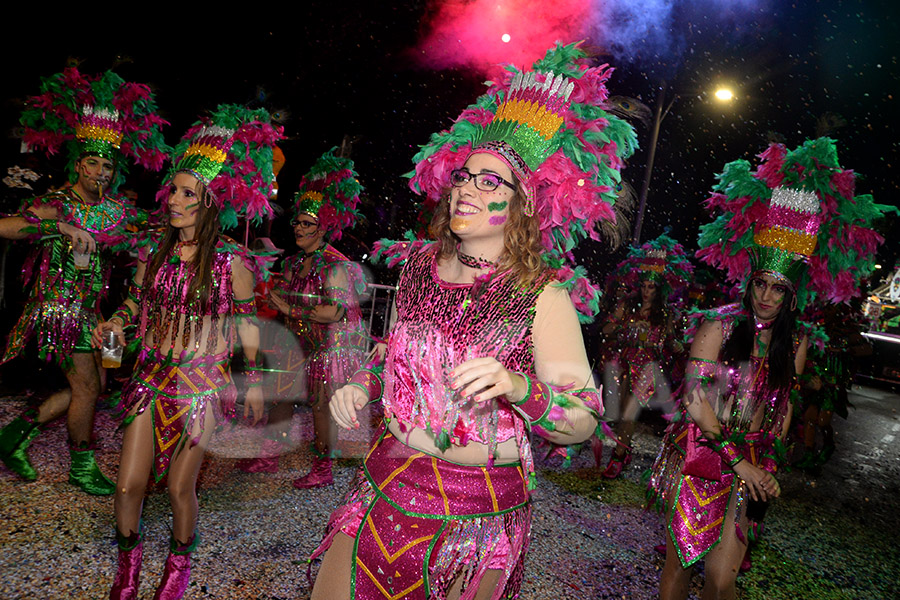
(441, 325)
(641, 356)
(336, 350)
(419, 523)
(183, 368)
(750, 413)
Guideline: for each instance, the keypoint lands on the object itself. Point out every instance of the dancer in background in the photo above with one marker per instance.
(487, 345)
(192, 299)
(105, 122)
(830, 375)
(318, 297)
(644, 327)
(787, 231)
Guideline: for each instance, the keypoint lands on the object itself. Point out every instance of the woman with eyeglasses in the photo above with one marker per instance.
(319, 298)
(485, 349)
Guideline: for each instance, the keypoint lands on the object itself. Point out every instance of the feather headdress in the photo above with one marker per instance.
(96, 115)
(797, 217)
(329, 192)
(231, 153)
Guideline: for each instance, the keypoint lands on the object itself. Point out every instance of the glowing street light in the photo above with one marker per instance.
(724, 95)
(505, 37)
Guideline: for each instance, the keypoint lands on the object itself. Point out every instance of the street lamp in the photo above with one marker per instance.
(723, 94)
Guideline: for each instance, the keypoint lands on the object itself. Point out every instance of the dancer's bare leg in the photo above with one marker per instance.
(84, 381)
(134, 471)
(183, 481)
(724, 560)
(333, 580)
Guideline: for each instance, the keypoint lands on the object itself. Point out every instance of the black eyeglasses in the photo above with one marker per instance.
(305, 224)
(486, 182)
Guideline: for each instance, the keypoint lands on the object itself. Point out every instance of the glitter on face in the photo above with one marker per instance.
(458, 224)
(497, 220)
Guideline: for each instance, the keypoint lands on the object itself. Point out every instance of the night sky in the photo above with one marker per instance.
(391, 75)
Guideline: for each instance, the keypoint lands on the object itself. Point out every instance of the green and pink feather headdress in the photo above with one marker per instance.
(230, 151)
(99, 116)
(796, 217)
(329, 192)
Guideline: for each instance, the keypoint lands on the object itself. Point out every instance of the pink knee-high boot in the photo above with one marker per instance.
(177, 573)
(128, 574)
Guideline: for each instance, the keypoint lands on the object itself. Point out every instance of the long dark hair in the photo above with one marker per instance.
(659, 314)
(781, 348)
(207, 235)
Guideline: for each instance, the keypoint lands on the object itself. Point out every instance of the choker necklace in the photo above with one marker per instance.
(472, 262)
(762, 326)
(182, 244)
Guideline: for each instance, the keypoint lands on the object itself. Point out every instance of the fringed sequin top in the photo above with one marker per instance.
(441, 325)
(172, 323)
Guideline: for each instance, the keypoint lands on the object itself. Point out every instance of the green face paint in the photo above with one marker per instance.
(190, 206)
(497, 206)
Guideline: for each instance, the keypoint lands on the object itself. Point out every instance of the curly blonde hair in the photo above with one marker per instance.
(522, 247)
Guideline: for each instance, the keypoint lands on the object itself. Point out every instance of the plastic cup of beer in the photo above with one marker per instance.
(82, 259)
(111, 351)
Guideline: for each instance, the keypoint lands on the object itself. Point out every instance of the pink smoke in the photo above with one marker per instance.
(467, 33)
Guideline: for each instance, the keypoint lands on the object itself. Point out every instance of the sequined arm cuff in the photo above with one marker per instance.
(48, 227)
(368, 381)
(252, 372)
(245, 309)
(134, 293)
(123, 313)
(536, 402)
(729, 452)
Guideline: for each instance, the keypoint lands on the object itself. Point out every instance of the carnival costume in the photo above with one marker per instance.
(322, 354)
(183, 369)
(420, 522)
(646, 349)
(330, 194)
(796, 219)
(100, 116)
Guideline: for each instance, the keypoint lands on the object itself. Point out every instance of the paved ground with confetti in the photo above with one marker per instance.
(831, 535)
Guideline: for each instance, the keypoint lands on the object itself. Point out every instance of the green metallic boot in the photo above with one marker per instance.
(14, 440)
(85, 473)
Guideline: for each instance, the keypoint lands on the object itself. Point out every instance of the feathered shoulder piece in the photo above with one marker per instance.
(396, 252)
(259, 263)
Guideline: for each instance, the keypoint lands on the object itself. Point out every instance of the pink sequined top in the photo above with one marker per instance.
(441, 325)
(170, 321)
(335, 349)
(740, 394)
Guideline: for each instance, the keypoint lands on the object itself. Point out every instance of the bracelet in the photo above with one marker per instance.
(48, 227)
(134, 293)
(252, 374)
(368, 381)
(244, 308)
